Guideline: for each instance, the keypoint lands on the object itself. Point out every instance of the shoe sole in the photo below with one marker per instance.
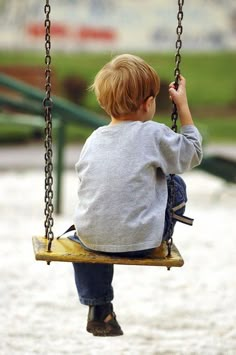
(100, 331)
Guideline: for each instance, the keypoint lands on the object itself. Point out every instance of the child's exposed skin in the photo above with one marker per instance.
(180, 99)
(147, 109)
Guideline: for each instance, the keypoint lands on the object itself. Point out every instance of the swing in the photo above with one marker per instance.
(49, 249)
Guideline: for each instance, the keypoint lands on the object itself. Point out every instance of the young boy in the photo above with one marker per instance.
(123, 174)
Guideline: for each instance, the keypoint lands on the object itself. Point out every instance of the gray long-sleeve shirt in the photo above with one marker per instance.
(122, 192)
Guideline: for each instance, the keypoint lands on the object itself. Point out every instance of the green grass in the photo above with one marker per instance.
(211, 84)
(211, 77)
(15, 134)
(218, 130)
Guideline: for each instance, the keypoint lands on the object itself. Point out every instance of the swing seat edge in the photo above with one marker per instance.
(65, 250)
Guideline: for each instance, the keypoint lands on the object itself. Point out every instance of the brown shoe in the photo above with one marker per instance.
(102, 321)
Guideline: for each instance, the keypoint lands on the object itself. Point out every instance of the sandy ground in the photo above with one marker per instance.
(189, 310)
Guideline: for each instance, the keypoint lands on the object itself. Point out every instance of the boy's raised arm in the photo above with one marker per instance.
(179, 97)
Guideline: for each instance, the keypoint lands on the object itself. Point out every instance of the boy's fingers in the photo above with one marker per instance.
(172, 92)
(172, 84)
(182, 80)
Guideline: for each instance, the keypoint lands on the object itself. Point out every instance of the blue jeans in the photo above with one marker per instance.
(180, 195)
(94, 281)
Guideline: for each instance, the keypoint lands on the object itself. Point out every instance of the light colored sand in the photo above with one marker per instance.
(190, 310)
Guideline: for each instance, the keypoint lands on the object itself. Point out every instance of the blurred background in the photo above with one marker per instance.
(85, 34)
(193, 310)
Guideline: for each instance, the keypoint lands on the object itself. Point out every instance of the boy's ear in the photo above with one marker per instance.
(148, 103)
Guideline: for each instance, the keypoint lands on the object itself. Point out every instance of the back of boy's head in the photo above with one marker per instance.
(124, 83)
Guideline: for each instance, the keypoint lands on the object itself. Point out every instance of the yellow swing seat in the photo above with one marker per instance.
(68, 251)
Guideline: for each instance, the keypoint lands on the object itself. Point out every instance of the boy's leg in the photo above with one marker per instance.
(180, 197)
(94, 287)
(94, 283)
(180, 193)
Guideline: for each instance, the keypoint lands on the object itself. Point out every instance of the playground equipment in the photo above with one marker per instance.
(63, 250)
(221, 166)
(30, 103)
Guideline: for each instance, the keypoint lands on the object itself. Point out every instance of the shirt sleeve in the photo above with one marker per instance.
(180, 152)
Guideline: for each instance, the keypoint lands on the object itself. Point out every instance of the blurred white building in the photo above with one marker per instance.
(93, 25)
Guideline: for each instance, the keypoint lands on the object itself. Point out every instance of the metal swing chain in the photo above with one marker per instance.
(47, 105)
(178, 46)
(174, 115)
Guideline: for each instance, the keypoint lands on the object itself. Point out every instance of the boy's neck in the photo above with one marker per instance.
(136, 116)
(144, 113)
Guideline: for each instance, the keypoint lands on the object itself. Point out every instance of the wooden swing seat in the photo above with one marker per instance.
(68, 251)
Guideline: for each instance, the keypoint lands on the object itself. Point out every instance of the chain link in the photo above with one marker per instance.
(47, 105)
(174, 115)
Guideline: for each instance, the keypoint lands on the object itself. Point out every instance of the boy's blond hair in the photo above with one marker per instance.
(124, 83)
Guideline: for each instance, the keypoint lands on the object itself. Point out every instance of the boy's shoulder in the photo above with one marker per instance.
(154, 127)
(147, 128)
